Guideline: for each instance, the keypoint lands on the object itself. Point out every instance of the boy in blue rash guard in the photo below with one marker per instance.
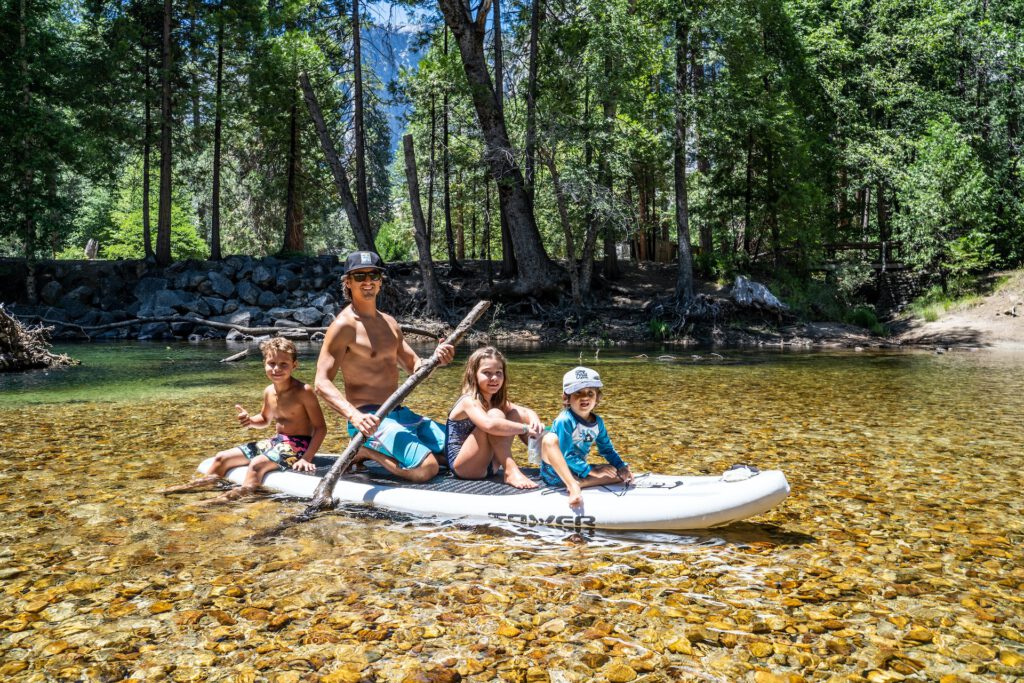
(577, 428)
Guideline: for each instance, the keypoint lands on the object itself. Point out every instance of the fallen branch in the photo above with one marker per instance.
(251, 331)
(237, 356)
(22, 348)
(322, 497)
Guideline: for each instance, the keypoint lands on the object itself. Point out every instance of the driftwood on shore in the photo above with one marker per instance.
(24, 348)
(251, 331)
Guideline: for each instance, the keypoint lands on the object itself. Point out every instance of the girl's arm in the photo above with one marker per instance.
(531, 417)
(490, 423)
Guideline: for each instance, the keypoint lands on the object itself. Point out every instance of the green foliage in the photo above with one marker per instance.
(395, 242)
(864, 316)
(935, 301)
(658, 329)
(946, 203)
(808, 124)
(125, 236)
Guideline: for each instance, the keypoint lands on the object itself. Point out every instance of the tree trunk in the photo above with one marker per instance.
(147, 143)
(536, 272)
(435, 300)
(508, 251)
(453, 261)
(563, 217)
(432, 169)
(362, 203)
(748, 195)
(217, 125)
(707, 246)
(364, 240)
(294, 234)
(531, 98)
(486, 246)
(163, 225)
(611, 261)
(28, 179)
(684, 278)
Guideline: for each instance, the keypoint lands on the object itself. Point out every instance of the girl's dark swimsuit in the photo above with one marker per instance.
(456, 433)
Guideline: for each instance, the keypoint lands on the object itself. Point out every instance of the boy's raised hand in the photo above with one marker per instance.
(243, 416)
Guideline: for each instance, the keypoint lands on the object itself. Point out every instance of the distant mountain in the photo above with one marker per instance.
(386, 52)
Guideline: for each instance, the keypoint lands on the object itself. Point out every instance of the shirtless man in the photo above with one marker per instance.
(367, 346)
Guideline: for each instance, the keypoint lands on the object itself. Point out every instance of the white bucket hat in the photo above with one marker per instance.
(580, 378)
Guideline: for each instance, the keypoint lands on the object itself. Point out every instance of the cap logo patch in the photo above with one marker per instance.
(581, 374)
(364, 258)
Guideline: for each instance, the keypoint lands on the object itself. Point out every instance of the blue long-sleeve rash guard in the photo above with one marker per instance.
(576, 436)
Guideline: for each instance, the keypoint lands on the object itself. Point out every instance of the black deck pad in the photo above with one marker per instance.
(445, 481)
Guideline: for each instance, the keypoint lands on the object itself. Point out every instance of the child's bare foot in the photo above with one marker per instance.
(228, 496)
(196, 484)
(515, 477)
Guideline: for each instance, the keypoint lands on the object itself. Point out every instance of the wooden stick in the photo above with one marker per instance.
(322, 497)
(252, 331)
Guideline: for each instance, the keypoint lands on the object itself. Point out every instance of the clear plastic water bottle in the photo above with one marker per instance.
(533, 450)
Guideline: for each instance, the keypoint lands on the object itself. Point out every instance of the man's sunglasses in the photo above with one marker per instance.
(361, 277)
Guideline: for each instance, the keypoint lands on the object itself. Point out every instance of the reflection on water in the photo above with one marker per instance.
(898, 555)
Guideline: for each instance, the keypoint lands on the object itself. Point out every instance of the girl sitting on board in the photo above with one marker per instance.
(574, 432)
(483, 422)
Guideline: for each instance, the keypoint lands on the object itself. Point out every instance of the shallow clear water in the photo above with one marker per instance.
(898, 553)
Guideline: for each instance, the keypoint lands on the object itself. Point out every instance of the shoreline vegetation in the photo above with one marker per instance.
(636, 308)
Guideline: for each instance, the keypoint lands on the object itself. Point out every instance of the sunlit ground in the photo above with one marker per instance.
(897, 556)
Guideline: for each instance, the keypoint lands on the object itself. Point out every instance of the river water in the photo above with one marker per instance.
(897, 556)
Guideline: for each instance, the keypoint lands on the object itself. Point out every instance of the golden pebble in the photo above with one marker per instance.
(974, 652)
(342, 675)
(279, 622)
(761, 649)
(56, 647)
(770, 677)
(160, 607)
(553, 626)
(508, 630)
(919, 634)
(1010, 658)
(619, 673)
(37, 605)
(594, 660)
(254, 614)
(222, 617)
(879, 676)
(681, 646)
(245, 676)
(536, 674)
(11, 668)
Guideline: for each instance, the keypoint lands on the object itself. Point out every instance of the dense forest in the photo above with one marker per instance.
(814, 140)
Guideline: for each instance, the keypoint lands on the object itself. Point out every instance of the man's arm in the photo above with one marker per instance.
(410, 361)
(327, 365)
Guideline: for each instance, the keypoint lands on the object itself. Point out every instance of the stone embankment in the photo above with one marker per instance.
(82, 299)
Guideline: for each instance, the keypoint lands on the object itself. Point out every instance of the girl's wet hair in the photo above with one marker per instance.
(279, 344)
(469, 385)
